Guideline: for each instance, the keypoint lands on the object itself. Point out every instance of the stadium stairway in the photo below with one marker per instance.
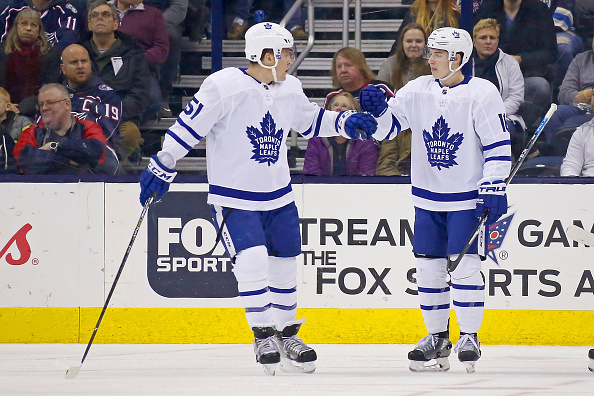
(380, 22)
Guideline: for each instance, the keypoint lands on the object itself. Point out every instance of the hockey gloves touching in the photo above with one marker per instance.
(492, 197)
(355, 125)
(373, 100)
(155, 179)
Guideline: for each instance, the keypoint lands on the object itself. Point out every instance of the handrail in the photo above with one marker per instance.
(310, 38)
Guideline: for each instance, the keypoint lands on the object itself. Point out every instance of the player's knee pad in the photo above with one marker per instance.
(431, 272)
(468, 272)
(251, 266)
(282, 271)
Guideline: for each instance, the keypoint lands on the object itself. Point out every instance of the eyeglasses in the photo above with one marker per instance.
(104, 14)
(49, 103)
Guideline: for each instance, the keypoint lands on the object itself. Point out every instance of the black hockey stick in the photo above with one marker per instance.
(452, 264)
(74, 370)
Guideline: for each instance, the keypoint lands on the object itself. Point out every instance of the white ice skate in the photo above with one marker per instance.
(430, 354)
(468, 349)
(296, 356)
(265, 348)
(591, 356)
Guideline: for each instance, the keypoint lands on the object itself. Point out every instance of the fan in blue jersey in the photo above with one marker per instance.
(245, 116)
(461, 155)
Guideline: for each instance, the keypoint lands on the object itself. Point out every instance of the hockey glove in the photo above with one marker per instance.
(355, 125)
(373, 100)
(492, 197)
(155, 179)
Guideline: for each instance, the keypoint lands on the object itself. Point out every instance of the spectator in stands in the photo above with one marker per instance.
(59, 143)
(579, 160)
(431, 15)
(297, 22)
(350, 73)
(174, 12)
(27, 60)
(122, 65)
(338, 156)
(62, 22)
(238, 13)
(585, 11)
(146, 24)
(196, 20)
(11, 126)
(569, 44)
(491, 63)
(575, 95)
(405, 65)
(92, 99)
(528, 34)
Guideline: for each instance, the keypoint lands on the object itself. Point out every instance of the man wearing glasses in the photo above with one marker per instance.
(119, 62)
(60, 143)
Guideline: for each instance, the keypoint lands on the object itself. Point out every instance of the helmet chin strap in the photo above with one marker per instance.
(452, 72)
(272, 68)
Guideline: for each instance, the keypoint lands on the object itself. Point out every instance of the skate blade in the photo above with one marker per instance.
(292, 366)
(469, 366)
(434, 365)
(269, 369)
(591, 365)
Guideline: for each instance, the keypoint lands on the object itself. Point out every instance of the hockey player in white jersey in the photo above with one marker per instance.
(246, 116)
(461, 156)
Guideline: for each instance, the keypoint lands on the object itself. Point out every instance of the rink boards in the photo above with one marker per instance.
(61, 245)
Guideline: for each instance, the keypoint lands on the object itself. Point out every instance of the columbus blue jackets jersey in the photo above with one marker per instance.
(61, 21)
(246, 124)
(96, 101)
(459, 139)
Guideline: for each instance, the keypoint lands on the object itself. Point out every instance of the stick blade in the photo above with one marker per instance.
(580, 235)
(72, 372)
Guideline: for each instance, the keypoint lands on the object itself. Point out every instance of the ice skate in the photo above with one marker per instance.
(468, 349)
(591, 356)
(266, 350)
(430, 354)
(295, 354)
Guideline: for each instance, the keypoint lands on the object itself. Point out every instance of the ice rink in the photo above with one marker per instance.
(230, 369)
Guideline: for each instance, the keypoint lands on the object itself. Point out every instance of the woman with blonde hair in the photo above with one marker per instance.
(27, 59)
(431, 15)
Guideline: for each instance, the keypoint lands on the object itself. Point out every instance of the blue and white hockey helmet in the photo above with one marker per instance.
(266, 35)
(453, 41)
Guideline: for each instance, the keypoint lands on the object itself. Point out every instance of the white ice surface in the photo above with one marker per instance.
(230, 369)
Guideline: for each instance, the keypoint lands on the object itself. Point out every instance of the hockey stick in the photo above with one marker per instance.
(452, 264)
(74, 370)
(580, 235)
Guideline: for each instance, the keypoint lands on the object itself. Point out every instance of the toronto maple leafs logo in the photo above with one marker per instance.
(266, 141)
(441, 147)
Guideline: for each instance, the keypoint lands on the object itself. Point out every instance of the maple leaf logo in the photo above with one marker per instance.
(266, 141)
(441, 147)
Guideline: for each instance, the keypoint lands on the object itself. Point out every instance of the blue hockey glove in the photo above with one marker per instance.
(373, 100)
(492, 196)
(355, 125)
(155, 179)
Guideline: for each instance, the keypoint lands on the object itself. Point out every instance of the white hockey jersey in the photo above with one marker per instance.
(459, 139)
(246, 124)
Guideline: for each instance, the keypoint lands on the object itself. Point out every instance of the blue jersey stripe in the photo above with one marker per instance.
(249, 195)
(319, 122)
(497, 144)
(395, 124)
(258, 309)
(285, 307)
(468, 287)
(179, 140)
(499, 158)
(283, 291)
(433, 290)
(469, 304)
(444, 197)
(435, 307)
(188, 128)
(253, 292)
